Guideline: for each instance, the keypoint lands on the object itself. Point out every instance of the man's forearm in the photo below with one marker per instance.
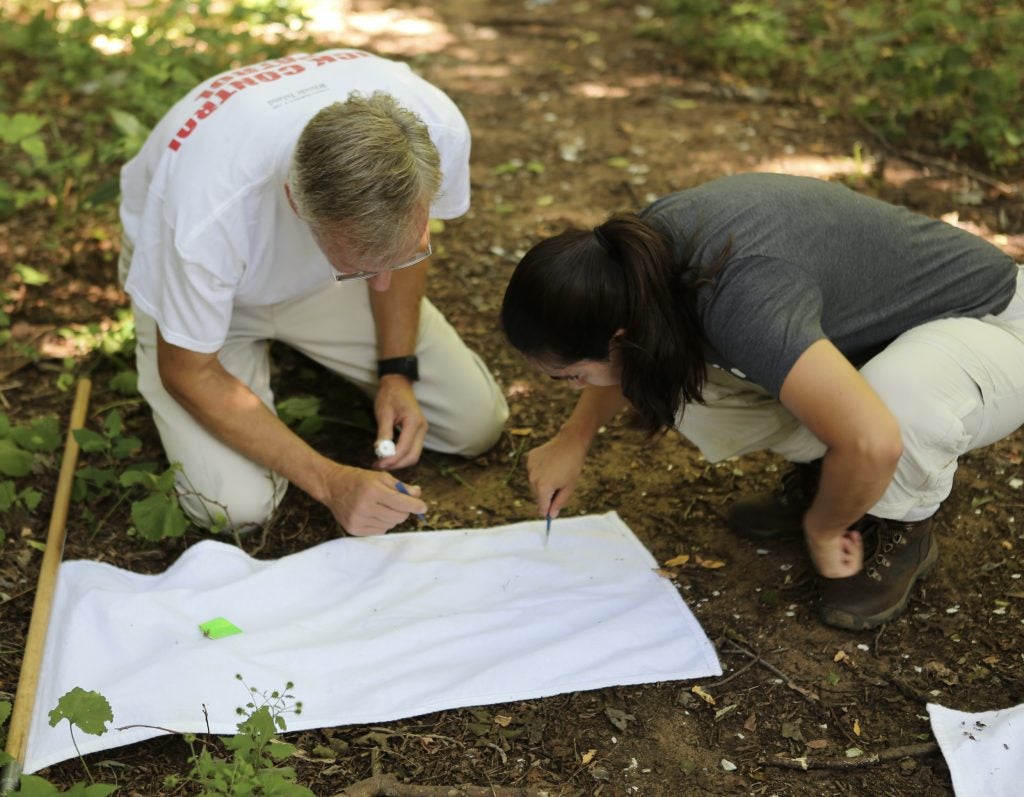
(396, 312)
(232, 413)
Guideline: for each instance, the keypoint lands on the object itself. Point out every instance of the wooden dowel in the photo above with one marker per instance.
(28, 680)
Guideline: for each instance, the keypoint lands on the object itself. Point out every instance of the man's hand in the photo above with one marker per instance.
(396, 406)
(836, 554)
(366, 502)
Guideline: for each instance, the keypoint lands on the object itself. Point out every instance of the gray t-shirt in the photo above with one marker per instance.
(808, 259)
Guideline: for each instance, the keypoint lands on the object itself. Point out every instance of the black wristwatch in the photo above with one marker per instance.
(409, 367)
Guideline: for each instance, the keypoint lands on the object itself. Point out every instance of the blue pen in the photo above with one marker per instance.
(402, 489)
(547, 528)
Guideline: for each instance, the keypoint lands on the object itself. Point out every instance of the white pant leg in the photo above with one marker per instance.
(213, 476)
(955, 385)
(463, 405)
(739, 417)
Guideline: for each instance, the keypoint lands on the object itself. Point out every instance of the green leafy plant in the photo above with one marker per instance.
(35, 786)
(89, 711)
(904, 70)
(5, 713)
(23, 448)
(253, 767)
(157, 513)
(124, 70)
(303, 414)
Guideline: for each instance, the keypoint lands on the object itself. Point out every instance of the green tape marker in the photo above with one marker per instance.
(218, 628)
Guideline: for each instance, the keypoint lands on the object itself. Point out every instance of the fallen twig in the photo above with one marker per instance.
(738, 672)
(947, 166)
(806, 694)
(1004, 188)
(389, 786)
(891, 754)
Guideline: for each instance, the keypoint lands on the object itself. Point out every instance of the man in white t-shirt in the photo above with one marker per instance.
(289, 200)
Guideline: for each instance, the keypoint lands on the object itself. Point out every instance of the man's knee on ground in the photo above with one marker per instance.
(237, 507)
(477, 432)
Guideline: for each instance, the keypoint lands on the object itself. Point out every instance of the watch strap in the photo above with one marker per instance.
(409, 367)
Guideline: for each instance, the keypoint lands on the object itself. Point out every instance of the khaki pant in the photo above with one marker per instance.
(954, 385)
(332, 325)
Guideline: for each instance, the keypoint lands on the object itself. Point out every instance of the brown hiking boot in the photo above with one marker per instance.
(769, 516)
(896, 555)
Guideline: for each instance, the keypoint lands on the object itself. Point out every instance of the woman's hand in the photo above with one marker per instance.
(835, 554)
(553, 470)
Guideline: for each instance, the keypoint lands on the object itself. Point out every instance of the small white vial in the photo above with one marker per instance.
(384, 448)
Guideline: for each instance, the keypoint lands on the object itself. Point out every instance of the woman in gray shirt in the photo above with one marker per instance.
(868, 345)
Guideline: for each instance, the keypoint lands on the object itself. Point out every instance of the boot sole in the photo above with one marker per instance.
(852, 622)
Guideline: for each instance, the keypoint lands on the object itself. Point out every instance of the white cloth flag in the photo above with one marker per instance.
(984, 750)
(369, 629)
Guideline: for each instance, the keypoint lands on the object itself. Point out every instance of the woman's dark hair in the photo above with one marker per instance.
(571, 294)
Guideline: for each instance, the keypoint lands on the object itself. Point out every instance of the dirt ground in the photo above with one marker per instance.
(574, 118)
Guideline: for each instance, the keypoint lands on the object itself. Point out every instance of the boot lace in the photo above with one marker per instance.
(881, 537)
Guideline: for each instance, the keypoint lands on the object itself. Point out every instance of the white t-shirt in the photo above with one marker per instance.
(203, 203)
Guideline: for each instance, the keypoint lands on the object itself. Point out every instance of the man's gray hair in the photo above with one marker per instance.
(363, 168)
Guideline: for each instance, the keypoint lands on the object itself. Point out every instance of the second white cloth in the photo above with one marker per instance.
(368, 629)
(984, 750)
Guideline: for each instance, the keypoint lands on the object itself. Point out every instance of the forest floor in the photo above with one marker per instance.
(613, 121)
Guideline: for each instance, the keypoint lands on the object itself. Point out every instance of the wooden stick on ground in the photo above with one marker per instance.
(28, 680)
(891, 754)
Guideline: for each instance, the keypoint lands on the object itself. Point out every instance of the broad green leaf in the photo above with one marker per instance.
(158, 516)
(134, 476)
(99, 477)
(129, 125)
(14, 461)
(30, 498)
(113, 424)
(125, 447)
(35, 786)
(165, 482)
(5, 710)
(298, 408)
(8, 495)
(90, 711)
(309, 426)
(91, 442)
(19, 126)
(126, 383)
(34, 147)
(42, 434)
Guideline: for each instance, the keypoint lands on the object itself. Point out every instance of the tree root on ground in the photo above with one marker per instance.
(870, 759)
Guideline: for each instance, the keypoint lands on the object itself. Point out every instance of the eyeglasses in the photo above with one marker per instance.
(365, 275)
